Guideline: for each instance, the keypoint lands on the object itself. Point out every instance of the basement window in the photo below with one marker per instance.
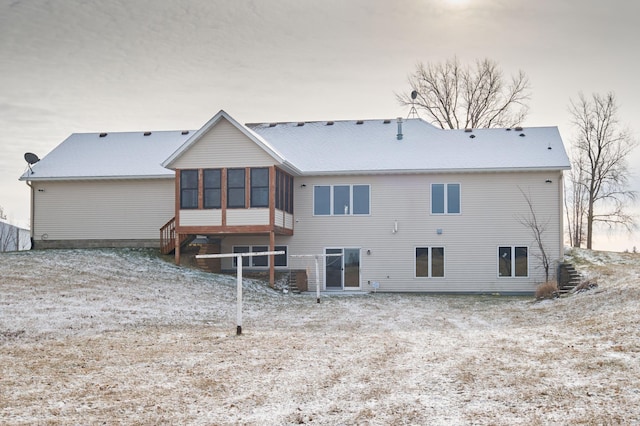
(513, 261)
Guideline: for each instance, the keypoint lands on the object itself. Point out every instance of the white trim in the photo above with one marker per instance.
(430, 262)
(332, 198)
(513, 261)
(446, 198)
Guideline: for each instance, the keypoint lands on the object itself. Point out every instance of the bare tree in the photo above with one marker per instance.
(601, 147)
(537, 227)
(575, 201)
(456, 96)
(3, 215)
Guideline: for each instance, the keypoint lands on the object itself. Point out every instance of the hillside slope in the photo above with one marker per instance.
(89, 336)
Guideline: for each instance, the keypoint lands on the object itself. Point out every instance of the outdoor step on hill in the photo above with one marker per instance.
(212, 264)
(568, 278)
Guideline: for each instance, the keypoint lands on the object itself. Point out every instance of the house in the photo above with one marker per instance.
(13, 238)
(407, 207)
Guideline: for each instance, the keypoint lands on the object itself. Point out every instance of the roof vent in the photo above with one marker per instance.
(272, 124)
(359, 122)
(522, 135)
(549, 147)
(300, 124)
(329, 123)
(387, 121)
(147, 133)
(519, 129)
(472, 136)
(467, 130)
(102, 135)
(508, 129)
(185, 132)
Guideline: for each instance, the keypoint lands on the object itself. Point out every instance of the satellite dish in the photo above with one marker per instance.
(31, 158)
(413, 112)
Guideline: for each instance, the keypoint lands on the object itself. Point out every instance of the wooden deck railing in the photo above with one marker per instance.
(168, 236)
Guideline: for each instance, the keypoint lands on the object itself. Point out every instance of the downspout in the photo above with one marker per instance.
(31, 214)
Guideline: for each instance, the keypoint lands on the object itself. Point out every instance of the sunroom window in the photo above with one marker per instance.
(236, 188)
(188, 189)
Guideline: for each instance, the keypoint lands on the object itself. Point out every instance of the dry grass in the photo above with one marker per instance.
(158, 347)
(547, 290)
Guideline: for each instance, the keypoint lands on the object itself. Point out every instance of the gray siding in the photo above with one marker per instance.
(101, 209)
(492, 207)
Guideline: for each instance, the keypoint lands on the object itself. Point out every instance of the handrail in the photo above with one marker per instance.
(168, 236)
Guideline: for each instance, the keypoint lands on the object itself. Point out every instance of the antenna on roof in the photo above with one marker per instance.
(31, 158)
(413, 112)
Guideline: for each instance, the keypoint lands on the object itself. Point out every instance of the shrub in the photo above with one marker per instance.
(548, 290)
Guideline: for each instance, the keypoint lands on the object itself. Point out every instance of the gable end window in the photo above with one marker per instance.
(188, 189)
(513, 261)
(445, 198)
(341, 200)
(429, 262)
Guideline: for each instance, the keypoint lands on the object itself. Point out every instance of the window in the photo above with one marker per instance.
(259, 187)
(430, 262)
(321, 200)
(188, 189)
(280, 260)
(212, 188)
(284, 191)
(259, 261)
(341, 200)
(513, 261)
(445, 198)
(245, 260)
(235, 188)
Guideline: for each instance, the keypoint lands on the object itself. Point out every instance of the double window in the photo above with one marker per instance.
(280, 260)
(513, 261)
(445, 198)
(429, 262)
(341, 200)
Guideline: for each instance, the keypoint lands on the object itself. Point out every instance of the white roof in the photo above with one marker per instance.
(340, 147)
(112, 156)
(372, 146)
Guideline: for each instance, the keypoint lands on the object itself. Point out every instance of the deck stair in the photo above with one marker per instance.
(297, 281)
(168, 237)
(209, 265)
(568, 278)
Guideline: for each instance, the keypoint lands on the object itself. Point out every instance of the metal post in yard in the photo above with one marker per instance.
(239, 257)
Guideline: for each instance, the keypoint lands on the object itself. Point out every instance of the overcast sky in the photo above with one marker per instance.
(70, 66)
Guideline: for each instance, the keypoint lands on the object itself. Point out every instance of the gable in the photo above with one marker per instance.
(223, 146)
(222, 142)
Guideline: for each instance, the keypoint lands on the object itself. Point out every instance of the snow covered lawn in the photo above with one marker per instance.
(121, 336)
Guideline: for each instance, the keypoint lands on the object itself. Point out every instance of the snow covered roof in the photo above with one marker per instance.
(322, 147)
(109, 156)
(372, 146)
